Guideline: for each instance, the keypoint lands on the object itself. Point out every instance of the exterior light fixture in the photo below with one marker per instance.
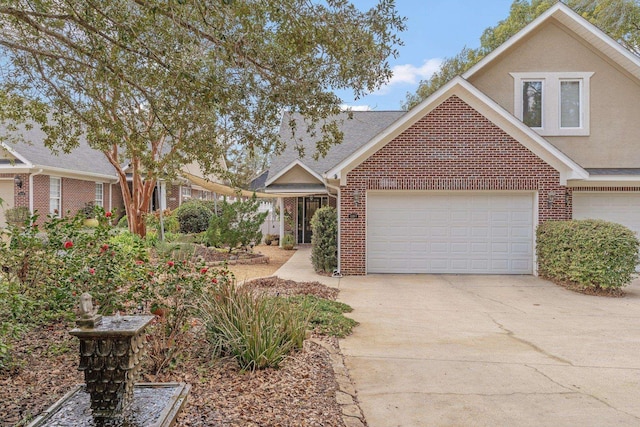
(551, 197)
(18, 181)
(356, 197)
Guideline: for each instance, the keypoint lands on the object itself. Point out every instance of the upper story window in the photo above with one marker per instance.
(553, 104)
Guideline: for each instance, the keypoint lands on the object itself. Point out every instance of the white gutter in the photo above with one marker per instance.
(336, 272)
(31, 189)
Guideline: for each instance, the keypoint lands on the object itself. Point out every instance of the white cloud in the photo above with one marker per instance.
(410, 74)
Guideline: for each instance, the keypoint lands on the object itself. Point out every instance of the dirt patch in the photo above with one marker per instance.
(276, 255)
(275, 286)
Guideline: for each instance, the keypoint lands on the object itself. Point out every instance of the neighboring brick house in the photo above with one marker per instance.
(544, 128)
(47, 184)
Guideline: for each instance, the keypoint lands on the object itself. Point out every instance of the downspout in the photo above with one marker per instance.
(31, 190)
(336, 272)
(281, 231)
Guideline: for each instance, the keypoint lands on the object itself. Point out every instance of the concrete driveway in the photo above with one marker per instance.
(446, 350)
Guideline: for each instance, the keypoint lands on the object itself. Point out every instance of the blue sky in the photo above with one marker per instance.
(435, 29)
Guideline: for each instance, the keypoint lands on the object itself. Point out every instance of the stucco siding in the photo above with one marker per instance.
(614, 139)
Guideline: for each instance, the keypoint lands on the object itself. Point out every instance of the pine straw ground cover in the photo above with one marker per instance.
(301, 393)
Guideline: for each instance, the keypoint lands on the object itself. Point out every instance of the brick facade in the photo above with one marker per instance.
(453, 148)
(75, 193)
(173, 196)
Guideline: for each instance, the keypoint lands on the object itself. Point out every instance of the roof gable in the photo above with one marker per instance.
(581, 27)
(295, 172)
(357, 131)
(491, 110)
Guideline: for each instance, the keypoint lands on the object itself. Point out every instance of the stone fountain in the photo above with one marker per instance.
(111, 349)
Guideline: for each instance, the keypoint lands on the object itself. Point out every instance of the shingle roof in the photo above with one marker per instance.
(357, 131)
(258, 183)
(82, 159)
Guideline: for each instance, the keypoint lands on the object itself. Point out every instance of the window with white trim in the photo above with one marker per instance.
(99, 194)
(553, 104)
(55, 196)
(186, 192)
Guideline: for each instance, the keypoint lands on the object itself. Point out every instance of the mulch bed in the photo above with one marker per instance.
(300, 393)
(216, 257)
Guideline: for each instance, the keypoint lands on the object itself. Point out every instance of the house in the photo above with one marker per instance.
(57, 184)
(544, 128)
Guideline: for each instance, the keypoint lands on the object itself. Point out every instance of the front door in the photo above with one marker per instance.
(307, 206)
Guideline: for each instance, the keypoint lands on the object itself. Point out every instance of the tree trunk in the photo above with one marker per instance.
(137, 204)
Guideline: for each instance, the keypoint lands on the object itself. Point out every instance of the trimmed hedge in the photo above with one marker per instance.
(589, 253)
(193, 216)
(324, 240)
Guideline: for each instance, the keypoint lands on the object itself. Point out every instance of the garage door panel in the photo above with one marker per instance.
(447, 233)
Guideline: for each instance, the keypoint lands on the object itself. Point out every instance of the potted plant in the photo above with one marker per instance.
(89, 213)
(288, 242)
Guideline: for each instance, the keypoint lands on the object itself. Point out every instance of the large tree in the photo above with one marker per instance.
(156, 84)
(618, 18)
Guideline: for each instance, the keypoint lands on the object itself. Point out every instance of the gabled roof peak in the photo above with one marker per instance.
(581, 27)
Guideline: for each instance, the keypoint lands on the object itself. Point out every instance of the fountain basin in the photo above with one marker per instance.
(152, 405)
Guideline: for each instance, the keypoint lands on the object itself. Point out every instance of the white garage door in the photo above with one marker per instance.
(479, 233)
(623, 208)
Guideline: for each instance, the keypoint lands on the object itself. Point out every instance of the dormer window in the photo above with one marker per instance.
(553, 104)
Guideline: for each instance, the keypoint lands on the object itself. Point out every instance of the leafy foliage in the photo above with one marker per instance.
(324, 240)
(618, 18)
(238, 224)
(590, 253)
(258, 331)
(166, 84)
(193, 216)
(171, 288)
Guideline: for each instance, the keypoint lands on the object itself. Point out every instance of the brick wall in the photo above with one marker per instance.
(173, 196)
(452, 148)
(117, 201)
(291, 206)
(20, 195)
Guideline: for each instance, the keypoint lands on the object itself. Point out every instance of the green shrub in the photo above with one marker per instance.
(123, 222)
(17, 216)
(238, 224)
(193, 216)
(169, 291)
(131, 245)
(258, 331)
(589, 253)
(324, 240)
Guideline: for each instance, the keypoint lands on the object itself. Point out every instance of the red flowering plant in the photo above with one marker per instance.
(170, 291)
(50, 265)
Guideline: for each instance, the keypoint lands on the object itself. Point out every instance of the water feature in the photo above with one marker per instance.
(111, 351)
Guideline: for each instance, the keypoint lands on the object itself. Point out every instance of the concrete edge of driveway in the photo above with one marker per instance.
(299, 268)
